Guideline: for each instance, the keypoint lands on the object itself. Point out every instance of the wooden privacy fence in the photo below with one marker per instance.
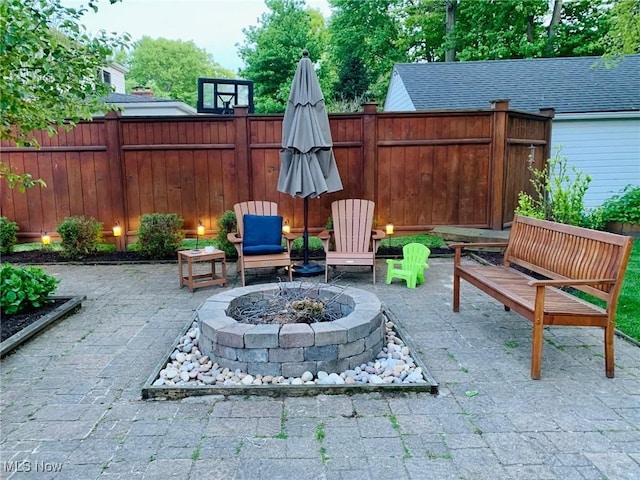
(423, 169)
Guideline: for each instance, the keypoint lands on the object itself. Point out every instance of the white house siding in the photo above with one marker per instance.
(398, 99)
(117, 78)
(608, 150)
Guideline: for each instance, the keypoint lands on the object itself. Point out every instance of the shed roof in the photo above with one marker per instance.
(570, 85)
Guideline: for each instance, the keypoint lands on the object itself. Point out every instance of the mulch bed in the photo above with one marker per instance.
(12, 324)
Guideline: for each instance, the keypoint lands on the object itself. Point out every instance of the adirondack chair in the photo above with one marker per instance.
(259, 237)
(356, 243)
(411, 267)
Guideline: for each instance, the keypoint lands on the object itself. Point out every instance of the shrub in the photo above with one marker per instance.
(227, 223)
(81, 236)
(559, 196)
(8, 239)
(624, 206)
(24, 288)
(160, 235)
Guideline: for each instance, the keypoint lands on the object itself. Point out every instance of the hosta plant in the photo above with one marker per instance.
(24, 288)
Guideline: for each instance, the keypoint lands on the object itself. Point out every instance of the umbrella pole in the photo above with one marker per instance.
(306, 269)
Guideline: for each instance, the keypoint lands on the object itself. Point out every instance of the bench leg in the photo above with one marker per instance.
(608, 352)
(456, 292)
(538, 328)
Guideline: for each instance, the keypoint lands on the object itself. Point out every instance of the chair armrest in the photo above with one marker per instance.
(289, 238)
(233, 237)
(325, 234)
(376, 237)
(325, 237)
(378, 234)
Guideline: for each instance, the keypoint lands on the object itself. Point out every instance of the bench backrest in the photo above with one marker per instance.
(560, 251)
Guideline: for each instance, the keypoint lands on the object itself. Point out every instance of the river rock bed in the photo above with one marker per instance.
(187, 366)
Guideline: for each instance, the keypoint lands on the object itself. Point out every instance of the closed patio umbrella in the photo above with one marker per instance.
(307, 165)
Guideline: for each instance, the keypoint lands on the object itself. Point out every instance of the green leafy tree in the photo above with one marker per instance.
(272, 49)
(353, 80)
(367, 30)
(171, 68)
(48, 66)
(623, 37)
(582, 27)
(497, 29)
(422, 33)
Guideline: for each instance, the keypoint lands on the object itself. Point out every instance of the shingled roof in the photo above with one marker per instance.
(570, 85)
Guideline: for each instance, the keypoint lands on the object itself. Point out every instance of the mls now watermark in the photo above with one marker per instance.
(27, 466)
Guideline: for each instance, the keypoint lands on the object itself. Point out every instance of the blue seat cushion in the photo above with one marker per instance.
(262, 234)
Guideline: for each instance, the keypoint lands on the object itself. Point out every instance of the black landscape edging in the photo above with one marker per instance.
(151, 392)
(38, 326)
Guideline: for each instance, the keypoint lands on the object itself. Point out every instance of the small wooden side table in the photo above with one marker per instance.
(204, 279)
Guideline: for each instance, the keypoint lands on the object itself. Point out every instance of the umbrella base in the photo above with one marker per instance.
(307, 269)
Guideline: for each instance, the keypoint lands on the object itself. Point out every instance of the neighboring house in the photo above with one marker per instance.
(141, 102)
(597, 108)
(114, 74)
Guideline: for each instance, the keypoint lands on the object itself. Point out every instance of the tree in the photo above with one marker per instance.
(271, 50)
(497, 29)
(49, 68)
(48, 65)
(623, 38)
(353, 80)
(171, 68)
(581, 29)
(368, 30)
(422, 35)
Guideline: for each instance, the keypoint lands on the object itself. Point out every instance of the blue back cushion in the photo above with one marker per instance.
(262, 234)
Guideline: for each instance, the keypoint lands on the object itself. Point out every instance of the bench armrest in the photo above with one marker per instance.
(569, 282)
(478, 244)
(457, 247)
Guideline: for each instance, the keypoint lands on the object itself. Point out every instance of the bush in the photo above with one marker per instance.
(81, 236)
(160, 235)
(227, 223)
(24, 288)
(623, 207)
(559, 196)
(8, 239)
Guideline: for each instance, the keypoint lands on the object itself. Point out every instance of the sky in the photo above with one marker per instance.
(214, 25)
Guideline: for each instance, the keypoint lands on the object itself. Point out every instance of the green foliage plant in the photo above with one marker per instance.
(160, 235)
(49, 64)
(624, 206)
(24, 288)
(8, 239)
(227, 223)
(81, 236)
(559, 196)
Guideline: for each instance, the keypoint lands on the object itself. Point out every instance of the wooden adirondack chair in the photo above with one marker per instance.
(356, 243)
(412, 266)
(258, 240)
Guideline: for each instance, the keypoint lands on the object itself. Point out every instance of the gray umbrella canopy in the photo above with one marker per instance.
(308, 167)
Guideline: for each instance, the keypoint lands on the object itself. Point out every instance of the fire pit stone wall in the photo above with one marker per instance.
(293, 348)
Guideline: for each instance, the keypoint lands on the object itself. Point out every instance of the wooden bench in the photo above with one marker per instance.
(566, 256)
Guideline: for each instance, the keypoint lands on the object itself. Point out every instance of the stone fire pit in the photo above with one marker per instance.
(293, 348)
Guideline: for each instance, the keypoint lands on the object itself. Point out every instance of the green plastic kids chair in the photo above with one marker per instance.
(411, 268)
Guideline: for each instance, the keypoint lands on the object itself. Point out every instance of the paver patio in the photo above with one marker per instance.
(71, 397)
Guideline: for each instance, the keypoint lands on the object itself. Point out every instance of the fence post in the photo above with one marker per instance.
(498, 161)
(369, 150)
(244, 182)
(113, 142)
